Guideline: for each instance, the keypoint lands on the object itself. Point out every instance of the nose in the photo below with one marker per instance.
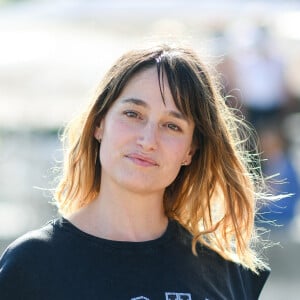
(148, 137)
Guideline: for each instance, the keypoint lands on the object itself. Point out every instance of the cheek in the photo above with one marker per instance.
(116, 137)
(179, 148)
(117, 124)
(115, 130)
(174, 159)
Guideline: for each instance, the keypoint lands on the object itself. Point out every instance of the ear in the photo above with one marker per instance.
(98, 134)
(189, 156)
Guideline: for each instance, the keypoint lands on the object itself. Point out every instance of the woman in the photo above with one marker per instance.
(157, 196)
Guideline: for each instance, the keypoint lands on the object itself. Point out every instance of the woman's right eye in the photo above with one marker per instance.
(131, 114)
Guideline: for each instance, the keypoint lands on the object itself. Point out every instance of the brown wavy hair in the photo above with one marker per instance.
(214, 197)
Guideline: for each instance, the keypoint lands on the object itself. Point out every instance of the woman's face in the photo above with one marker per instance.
(144, 142)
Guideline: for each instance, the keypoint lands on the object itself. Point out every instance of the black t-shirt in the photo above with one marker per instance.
(59, 261)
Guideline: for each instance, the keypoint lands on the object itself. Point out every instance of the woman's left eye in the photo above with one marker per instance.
(173, 127)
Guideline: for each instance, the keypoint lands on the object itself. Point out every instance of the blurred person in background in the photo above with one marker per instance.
(259, 76)
(254, 79)
(157, 195)
(276, 160)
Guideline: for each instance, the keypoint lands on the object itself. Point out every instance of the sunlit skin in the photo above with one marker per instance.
(144, 143)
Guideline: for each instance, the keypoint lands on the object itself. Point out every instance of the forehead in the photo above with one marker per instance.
(148, 76)
(146, 90)
(147, 86)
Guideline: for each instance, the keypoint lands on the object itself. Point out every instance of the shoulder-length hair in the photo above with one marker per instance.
(214, 197)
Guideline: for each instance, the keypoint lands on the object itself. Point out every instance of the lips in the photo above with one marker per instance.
(142, 160)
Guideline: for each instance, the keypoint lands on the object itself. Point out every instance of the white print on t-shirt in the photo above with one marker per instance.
(170, 296)
(178, 296)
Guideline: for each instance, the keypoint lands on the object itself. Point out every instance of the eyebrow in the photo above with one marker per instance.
(136, 101)
(139, 102)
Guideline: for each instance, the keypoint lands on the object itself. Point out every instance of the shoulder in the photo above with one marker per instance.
(253, 283)
(243, 282)
(29, 245)
(221, 273)
(23, 262)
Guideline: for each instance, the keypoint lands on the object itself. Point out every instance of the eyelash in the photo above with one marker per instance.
(173, 127)
(136, 115)
(132, 114)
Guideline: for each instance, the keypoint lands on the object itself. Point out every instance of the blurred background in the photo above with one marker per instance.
(53, 53)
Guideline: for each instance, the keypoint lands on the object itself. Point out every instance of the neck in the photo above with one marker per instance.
(123, 216)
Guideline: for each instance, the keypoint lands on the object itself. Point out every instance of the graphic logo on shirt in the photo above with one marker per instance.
(178, 296)
(170, 296)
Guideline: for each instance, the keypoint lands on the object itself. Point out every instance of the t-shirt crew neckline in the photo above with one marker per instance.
(168, 235)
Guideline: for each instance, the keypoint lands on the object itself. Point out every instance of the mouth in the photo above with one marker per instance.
(142, 160)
